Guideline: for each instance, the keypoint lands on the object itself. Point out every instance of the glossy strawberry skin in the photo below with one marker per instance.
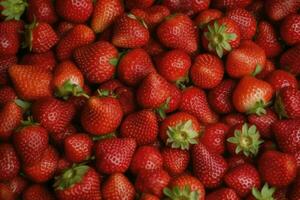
(223, 194)
(288, 60)
(287, 103)
(231, 3)
(37, 192)
(233, 119)
(280, 79)
(9, 162)
(42, 11)
(277, 9)
(206, 16)
(17, 185)
(44, 60)
(289, 31)
(139, 3)
(5, 62)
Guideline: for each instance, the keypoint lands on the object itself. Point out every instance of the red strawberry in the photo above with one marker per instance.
(287, 103)
(39, 85)
(223, 194)
(280, 79)
(62, 165)
(17, 185)
(146, 196)
(111, 85)
(276, 168)
(269, 67)
(63, 28)
(78, 36)
(208, 167)
(288, 29)
(295, 192)
(9, 162)
(97, 61)
(12, 9)
(78, 182)
(10, 37)
(7, 94)
(207, 71)
(227, 33)
(233, 119)
(207, 16)
(175, 161)
(152, 181)
(78, 147)
(105, 13)
(178, 32)
(153, 47)
(251, 95)
(141, 126)
(129, 32)
(279, 9)
(116, 187)
(77, 11)
(5, 192)
(288, 60)
(59, 138)
(195, 5)
(126, 99)
(114, 155)
(5, 62)
(134, 66)
(138, 3)
(146, 158)
(231, 3)
(42, 11)
(194, 102)
(37, 192)
(44, 60)
(175, 98)
(236, 160)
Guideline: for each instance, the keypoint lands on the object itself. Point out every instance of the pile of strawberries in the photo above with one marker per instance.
(149, 100)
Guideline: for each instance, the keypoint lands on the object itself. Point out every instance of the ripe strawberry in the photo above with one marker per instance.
(126, 99)
(58, 138)
(44, 60)
(5, 62)
(111, 85)
(39, 85)
(221, 36)
(207, 71)
(10, 36)
(269, 67)
(146, 158)
(78, 182)
(194, 102)
(152, 181)
(105, 13)
(12, 10)
(233, 119)
(129, 32)
(64, 27)
(252, 95)
(37, 192)
(175, 161)
(138, 3)
(295, 192)
(117, 186)
(77, 11)
(279, 9)
(7, 94)
(78, 36)
(288, 29)
(196, 6)
(245, 20)
(5, 192)
(282, 170)
(288, 60)
(108, 151)
(9, 162)
(206, 16)
(153, 47)
(208, 167)
(280, 79)
(242, 179)
(175, 98)
(178, 32)
(286, 134)
(236, 160)
(223, 194)
(97, 61)
(231, 3)
(42, 11)
(287, 103)
(146, 196)
(17, 185)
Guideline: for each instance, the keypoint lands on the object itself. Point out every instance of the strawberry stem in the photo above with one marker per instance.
(279, 107)
(161, 111)
(13, 9)
(70, 88)
(266, 193)
(23, 104)
(184, 193)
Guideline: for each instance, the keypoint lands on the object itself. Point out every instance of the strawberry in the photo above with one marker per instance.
(295, 193)
(10, 36)
(129, 32)
(196, 6)
(37, 192)
(101, 115)
(5, 192)
(152, 181)
(43, 170)
(105, 13)
(194, 102)
(78, 36)
(111, 85)
(31, 142)
(220, 97)
(153, 47)
(221, 36)
(233, 119)
(214, 137)
(5, 62)
(42, 11)
(117, 186)
(175, 161)
(12, 10)
(146, 158)
(141, 126)
(269, 67)
(287, 103)
(146, 196)
(180, 130)
(223, 194)
(9, 162)
(242, 179)
(286, 134)
(279, 9)
(79, 11)
(138, 3)
(178, 32)
(281, 172)
(265, 193)
(44, 60)
(245, 20)
(248, 59)
(185, 186)
(207, 71)
(288, 60)
(231, 3)
(134, 66)
(206, 16)
(252, 95)
(58, 138)
(17, 185)
(108, 151)
(63, 28)
(97, 61)
(7, 94)
(236, 160)
(208, 167)
(78, 182)
(175, 98)
(126, 99)
(288, 29)
(280, 79)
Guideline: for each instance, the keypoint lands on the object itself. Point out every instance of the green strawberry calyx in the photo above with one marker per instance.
(71, 177)
(28, 34)
(70, 88)
(279, 107)
(106, 93)
(182, 82)
(266, 193)
(182, 135)
(13, 9)
(23, 104)
(257, 70)
(132, 16)
(258, 108)
(184, 193)
(161, 111)
(218, 38)
(247, 140)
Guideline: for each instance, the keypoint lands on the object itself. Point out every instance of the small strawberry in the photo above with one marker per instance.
(129, 32)
(287, 103)
(9, 162)
(42, 11)
(5, 62)
(208, 167)
(97, 61)
(206, 16)
(280, 79)
(288, 60)
(195, 5)
(116, 187)
(175, 161)
(265, 193)
(223, 194)
(279, 9)
(288, 29)
(37, 192)
(138, 3)
(44, 60)
(7, 94)
(178, 32)
(231, 3)
(114, 155)
(12, 9)
(276, 168)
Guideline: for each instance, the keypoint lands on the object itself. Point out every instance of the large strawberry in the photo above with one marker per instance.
(42, 11)
(9, 162)
(223, 194)
(288, 60)
(289, 31)
(44, 60)
(279, 9)
(287, 103)
(37, 192)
